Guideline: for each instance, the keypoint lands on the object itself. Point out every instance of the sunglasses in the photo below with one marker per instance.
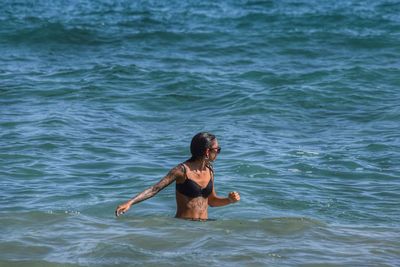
(216, 148)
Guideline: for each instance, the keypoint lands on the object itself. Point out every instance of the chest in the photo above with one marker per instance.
(200, 178)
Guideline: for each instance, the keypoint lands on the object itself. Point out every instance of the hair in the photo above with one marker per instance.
(200, 142)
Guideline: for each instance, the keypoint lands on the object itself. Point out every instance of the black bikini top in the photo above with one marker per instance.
(192, 189)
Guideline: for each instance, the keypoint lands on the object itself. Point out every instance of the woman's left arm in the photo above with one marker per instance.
(216, 201)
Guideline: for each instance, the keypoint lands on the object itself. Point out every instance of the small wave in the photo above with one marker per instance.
(54, 33)
(170, 36)
(34, 263)
(276, 226)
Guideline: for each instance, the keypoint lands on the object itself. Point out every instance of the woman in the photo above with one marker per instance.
(194, 182)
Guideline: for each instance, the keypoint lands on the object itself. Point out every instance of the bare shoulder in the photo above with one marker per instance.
(177, 172)
(174, 174)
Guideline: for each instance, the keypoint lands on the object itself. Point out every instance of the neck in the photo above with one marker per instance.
(200, 164)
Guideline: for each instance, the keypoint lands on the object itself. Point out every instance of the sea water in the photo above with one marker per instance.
(99, 99)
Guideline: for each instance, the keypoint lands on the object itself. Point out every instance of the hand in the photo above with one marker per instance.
(121, 209)
(233, 197)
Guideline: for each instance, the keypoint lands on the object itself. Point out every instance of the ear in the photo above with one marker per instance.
(207, 153)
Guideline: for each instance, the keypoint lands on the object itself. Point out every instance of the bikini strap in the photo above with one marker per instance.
(184, 170)
(210, 167)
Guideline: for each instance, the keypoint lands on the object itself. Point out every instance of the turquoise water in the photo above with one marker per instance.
(99, 99)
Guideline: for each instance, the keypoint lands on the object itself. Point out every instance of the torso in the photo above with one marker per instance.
(193, 189)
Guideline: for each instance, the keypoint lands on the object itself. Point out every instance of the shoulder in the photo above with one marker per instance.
(177, 171)
(210, 167)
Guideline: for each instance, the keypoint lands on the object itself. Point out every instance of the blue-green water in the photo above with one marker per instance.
(99, 99)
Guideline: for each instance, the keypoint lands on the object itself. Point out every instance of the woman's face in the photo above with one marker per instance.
(214, 150)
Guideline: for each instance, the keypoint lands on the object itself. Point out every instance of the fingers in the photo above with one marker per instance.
(234, 197)
(120, 210)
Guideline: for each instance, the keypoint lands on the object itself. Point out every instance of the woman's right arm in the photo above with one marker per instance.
(150, 192)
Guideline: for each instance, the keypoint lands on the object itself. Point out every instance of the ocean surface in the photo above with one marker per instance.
(99, 99)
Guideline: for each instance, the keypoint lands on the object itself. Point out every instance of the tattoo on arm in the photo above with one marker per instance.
(153, 190)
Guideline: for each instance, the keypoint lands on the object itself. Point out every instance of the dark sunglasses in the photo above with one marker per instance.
(216, 148)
